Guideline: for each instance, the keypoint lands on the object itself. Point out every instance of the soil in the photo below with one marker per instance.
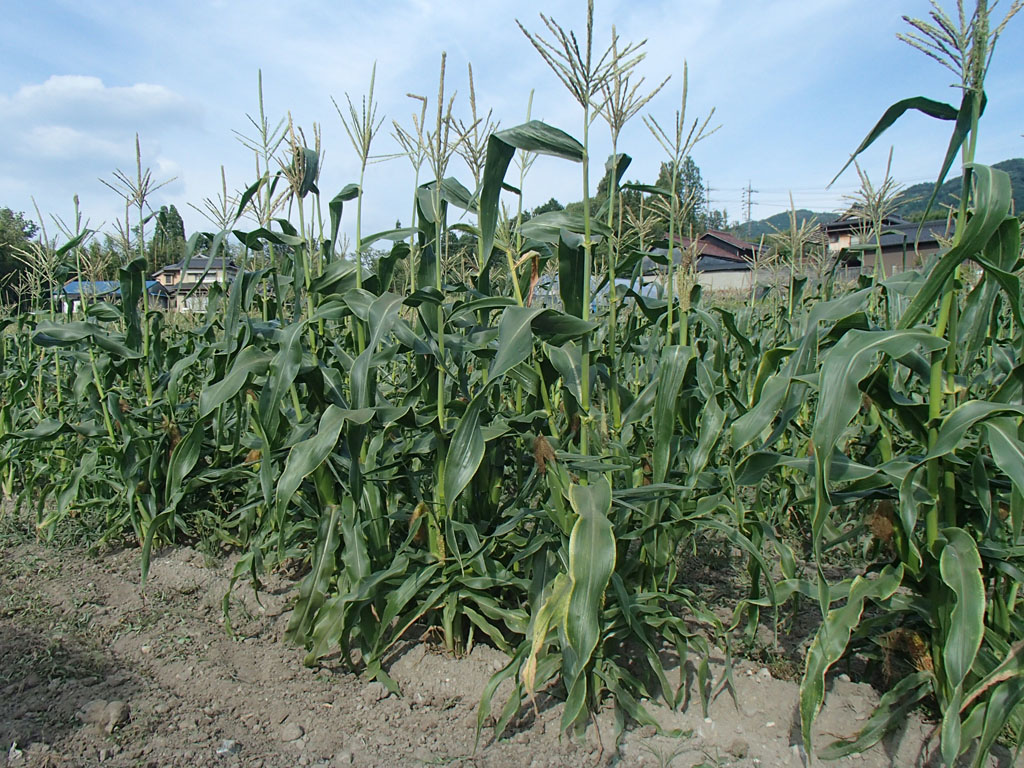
(96, 669)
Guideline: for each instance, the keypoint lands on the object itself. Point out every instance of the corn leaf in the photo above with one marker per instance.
(533, 136)
(466, 450)
(830, 642)
(515, 339)
(671, 370)
(306, 456)
(890, 714)
(314, 587)
(936, 109)
(591, 562)
(992, 199)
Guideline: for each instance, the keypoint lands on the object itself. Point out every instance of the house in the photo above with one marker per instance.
(850, 229)
(723, 262)
(188, 286)
(647, 289)
(546, 292)
(850, 238)
(720, 274)
(722, 245)
(70, 294)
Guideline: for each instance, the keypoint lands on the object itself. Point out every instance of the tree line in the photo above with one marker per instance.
(639, 203)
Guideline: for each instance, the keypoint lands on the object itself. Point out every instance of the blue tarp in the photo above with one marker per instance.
(74, 289)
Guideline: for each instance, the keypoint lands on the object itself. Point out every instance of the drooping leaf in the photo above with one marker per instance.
(551, 613)
(839, 398)
(314, 588)
(515, 338)
(348, 192)
(307, 455)
(890, 714)
(546, 227)
(993, 195)
(251, 361)
(571, 272)
(936, 109)
(671, 370)
(533, 136)
(960, 567)
(568, 361)
(310, 166)
(1008, 454)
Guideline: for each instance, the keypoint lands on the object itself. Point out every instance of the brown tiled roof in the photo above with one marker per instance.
(720, 245)
(742, 245)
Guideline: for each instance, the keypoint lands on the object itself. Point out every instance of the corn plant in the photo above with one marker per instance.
(958, 607)
(444, 456)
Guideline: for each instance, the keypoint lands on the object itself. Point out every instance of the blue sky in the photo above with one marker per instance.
(795, 85)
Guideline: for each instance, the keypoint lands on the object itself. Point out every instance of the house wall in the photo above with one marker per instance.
(892, 262)
(196, 302)
(732, 280)
(199, 300)
(840, 241)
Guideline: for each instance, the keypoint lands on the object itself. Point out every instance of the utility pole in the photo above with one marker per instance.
(707, 201)
(748, 202)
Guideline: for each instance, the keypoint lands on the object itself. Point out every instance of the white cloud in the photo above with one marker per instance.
(86, 100)
(72, 122)
(65, 133)
(63, 142)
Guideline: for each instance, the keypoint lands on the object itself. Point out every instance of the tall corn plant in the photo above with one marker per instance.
(622, 100)
(585, 75)
(678, 143)
(608, 575)
(437, 470)
(957, 620)
(361, 127)
(414, 148)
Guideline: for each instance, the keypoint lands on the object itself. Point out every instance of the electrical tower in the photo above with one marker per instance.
(748, 202)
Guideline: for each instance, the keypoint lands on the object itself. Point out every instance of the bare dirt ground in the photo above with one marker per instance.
(96, 670)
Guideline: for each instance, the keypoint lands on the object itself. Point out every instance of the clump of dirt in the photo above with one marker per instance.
(96, 669)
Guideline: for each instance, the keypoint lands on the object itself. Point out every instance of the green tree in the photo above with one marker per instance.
(550, 205)
(717, 219)
(16, 232)
(691, 193)
(168, 242)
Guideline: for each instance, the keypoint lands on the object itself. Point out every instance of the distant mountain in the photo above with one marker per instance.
(778, 223)
(917, 196)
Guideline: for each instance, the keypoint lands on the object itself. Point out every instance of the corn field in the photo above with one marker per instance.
(436, 449)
